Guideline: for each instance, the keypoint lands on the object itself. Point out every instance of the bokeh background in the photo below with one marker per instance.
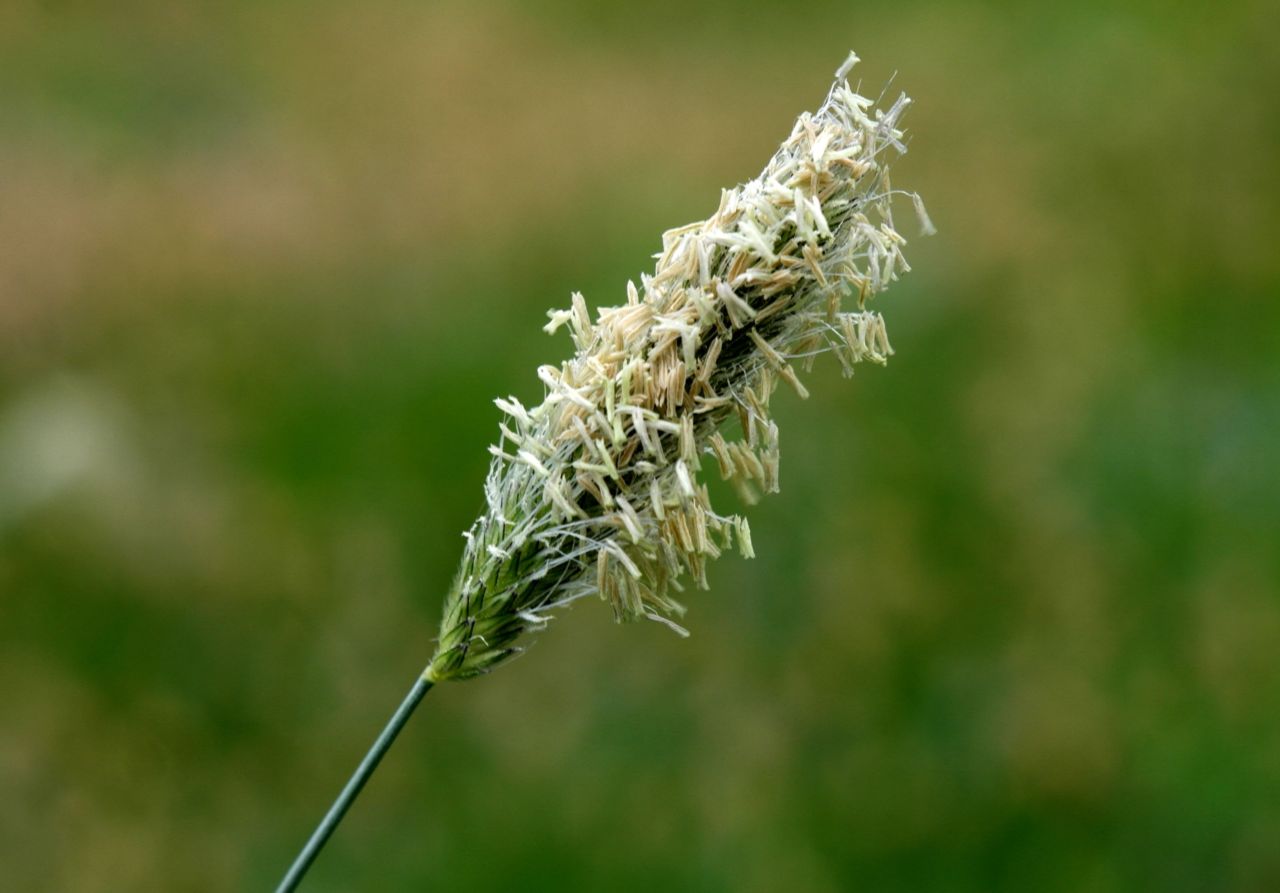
(1015, 619)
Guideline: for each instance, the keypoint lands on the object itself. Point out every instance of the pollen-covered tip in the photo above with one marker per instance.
(600, 492)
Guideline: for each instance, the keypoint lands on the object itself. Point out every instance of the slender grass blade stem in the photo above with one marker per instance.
(356, 783)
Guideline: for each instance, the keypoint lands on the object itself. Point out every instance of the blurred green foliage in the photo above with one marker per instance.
(1015, 620)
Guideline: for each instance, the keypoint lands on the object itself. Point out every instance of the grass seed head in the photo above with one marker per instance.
(597, 490)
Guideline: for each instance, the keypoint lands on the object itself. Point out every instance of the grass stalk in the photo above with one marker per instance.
(598, 489)
(354, 785)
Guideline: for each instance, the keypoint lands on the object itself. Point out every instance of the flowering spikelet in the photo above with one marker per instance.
(598, 489)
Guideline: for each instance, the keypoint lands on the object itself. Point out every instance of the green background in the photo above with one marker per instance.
(1015, 619)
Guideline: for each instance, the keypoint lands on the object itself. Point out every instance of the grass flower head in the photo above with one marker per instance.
(599, 488)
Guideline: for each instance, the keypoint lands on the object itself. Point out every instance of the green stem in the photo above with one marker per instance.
(354, 786)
